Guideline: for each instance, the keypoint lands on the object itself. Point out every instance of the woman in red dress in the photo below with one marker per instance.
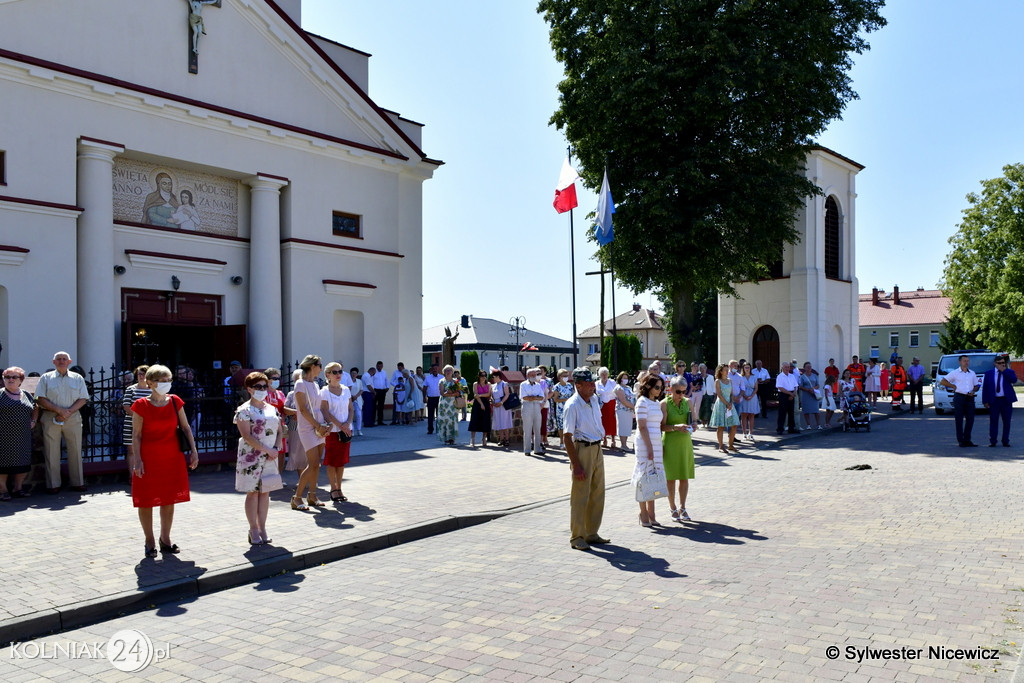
(159, 477)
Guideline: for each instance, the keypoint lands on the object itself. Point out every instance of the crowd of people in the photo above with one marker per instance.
(313, 425)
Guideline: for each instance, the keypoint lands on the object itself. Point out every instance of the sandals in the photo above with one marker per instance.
(313, 502)
(257, 541)
(297, 504)
(5, 496)
(675, 515)
(173, 549)
(21, 494)
(150, 552)
(683, 516)
(340, 498)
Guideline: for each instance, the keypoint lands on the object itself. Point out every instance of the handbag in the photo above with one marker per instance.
(651, 485)
(183, 444)
(512, 402)
(270, 479)
(460, 402)
(817, 394)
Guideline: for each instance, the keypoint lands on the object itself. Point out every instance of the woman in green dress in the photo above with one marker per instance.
(447, 423)
(678, 446)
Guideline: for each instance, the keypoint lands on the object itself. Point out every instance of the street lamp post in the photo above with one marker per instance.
(516, 325)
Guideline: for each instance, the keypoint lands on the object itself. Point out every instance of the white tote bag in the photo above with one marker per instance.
(651, 485)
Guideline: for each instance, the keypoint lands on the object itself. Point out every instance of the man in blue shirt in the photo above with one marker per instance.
(915, 383)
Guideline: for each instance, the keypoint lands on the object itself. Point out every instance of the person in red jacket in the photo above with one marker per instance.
(899, 383)
(857, 370)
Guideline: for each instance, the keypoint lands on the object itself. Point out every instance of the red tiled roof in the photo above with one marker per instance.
(920, 307)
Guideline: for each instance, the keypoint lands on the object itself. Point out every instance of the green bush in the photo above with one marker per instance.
(628, 351)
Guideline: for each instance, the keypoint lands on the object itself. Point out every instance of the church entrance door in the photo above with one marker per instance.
(178, 328)
(766, 348)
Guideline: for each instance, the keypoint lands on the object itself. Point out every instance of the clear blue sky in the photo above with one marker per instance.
(939, 110)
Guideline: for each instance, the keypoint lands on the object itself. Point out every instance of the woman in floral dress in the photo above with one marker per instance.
(256, 471)
(563, 392)
(447, 424)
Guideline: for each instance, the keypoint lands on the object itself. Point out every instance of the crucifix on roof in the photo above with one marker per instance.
(196, 28)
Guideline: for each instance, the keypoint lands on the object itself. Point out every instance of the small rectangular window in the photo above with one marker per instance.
(347, 225)
(874, 352)
(3, 167)
(894, 339)
(915, 338)
(933, 338)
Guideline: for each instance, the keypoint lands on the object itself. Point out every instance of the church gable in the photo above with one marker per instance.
(251, 60)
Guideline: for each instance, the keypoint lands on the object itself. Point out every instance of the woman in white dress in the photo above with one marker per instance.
(256, 469)
(873, 381)
(501, 419)
(650, 416)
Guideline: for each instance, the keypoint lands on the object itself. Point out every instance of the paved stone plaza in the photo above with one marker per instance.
(790, 554)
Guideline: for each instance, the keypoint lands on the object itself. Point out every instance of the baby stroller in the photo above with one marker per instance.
(856, 412)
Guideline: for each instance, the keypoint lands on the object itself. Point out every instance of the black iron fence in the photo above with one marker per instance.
(210, 404)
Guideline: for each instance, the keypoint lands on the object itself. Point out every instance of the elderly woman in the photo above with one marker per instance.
(625, 404)
(606, 395)
(277, 398)
(356, 388)
(18, 415)
(649, 419)
(562, 392)
(447, 423)
(336, 407)
(312, 431)
(256, 470)
(159, 478)
(725, 414)
(678, 446)
(131, 394)
(807, 385)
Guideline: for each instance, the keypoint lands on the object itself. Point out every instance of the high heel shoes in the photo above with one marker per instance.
(254, 538)
(643, 523)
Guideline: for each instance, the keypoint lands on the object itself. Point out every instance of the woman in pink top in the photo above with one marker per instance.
(312, 431)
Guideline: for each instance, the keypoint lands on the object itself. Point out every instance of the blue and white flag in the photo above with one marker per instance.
(604, 231)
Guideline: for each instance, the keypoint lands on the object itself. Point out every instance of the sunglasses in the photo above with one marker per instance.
(262, 387)
(678, 392)
(335, 372)
(1000, 362)
(14, 377)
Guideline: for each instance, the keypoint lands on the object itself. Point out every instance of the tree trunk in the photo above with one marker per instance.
(600, 346)
(684, 323)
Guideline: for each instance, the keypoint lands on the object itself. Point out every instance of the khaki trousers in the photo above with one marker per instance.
(71, 430)
(586, 504)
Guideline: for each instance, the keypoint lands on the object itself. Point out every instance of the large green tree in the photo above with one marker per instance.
(984, 273)
(703, 112)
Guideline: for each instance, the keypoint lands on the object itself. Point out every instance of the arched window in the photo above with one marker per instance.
(831, 238)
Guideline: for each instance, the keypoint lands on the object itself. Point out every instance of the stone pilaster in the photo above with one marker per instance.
(266, 327)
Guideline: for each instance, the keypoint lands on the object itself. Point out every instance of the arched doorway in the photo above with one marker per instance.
(766, 348)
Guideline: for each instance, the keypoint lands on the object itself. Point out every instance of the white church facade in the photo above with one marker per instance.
(200, 182)
(808, 309)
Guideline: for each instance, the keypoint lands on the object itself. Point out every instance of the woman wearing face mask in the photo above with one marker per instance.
(256, 471)
(625, 404)
(159, 478)
(276, 398)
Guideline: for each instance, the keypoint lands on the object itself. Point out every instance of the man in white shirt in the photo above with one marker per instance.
(369, 397)
(432, 383)
(764, 389)
(582, 439)
(62, 394)
(965, 383)
(736, 382)
(380, 393)
(532, 394)
(397, 377)
(786, 384)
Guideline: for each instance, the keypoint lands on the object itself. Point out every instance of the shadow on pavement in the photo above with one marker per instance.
(284, 583)
(710, 532)
(380, 459)
(164, 567)
(634, 561)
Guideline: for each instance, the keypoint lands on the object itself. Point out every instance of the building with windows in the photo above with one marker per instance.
(911, 321)
(200, 183)
(642, 323)
(497, 343)
(808, 308)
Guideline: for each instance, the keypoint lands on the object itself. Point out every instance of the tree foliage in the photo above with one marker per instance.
(703, 112)
(627, 354)
(957, 338)
(469, 365)
(984, 273)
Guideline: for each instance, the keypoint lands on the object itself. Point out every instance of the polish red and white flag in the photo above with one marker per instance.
(565, 191)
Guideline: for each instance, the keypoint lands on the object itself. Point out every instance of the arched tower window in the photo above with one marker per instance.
(832, 238)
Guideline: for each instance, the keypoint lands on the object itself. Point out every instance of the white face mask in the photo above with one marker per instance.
(163, 387)
(260, 394)
(624, 382)
(275, 383)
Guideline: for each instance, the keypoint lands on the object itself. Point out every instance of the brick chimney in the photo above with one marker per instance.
(895, 295)
(636, 308)
(874, 296)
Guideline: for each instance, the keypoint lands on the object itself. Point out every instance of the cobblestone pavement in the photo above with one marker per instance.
(791, 554)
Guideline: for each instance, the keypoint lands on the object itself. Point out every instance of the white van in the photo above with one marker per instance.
(981, 361)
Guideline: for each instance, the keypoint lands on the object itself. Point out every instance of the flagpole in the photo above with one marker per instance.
(572, 261)
(615, 333)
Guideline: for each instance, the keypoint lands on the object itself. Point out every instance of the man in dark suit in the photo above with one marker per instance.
(998, 396)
